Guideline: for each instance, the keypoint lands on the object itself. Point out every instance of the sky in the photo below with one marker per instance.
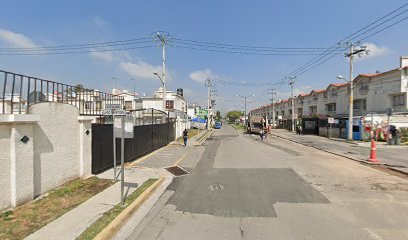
(278, 23)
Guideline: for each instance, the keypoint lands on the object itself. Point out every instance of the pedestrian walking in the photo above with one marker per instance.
(185, 136)
(261, 134)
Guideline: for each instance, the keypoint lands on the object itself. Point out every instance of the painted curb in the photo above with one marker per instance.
(109, 231)
(199, 142)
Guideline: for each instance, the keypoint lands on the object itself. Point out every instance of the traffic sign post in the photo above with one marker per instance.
(330, 120)
(122, 128)
(122, 163)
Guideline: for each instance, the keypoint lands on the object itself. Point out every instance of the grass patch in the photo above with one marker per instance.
(28, 218)
(238, 127)
(109, 216)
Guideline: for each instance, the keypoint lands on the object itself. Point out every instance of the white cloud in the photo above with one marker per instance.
(134, 67)
(201, 75)
(99, 22)
(140, 69)
(103, 56)
(375, 51)
(16, 39)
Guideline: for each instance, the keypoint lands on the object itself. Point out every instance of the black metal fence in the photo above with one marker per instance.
(19, 91)
(147, 138)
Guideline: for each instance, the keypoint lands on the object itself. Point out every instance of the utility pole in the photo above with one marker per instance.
(208, 85)
(351, 56)
(245, 101)
(134, 88)
(272, 92)
(114, 80)
(162, 38)
(291, 83)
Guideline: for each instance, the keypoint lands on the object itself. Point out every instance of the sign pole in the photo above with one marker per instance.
(330, 127)
(122, 162)
(114, 147)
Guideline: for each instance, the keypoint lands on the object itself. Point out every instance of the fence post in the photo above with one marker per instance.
(168, 127)
(152, 130)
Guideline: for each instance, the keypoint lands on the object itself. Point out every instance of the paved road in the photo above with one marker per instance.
(242, 188)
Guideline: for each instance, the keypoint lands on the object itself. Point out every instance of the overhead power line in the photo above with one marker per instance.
(360, 35)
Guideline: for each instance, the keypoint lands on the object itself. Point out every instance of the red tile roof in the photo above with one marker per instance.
(338, 84)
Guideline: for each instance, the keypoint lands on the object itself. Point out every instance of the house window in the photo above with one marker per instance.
(364, 104)
(315, 97)
(398, 100)
(333, 93)
(325, 94)
(364, 86)
(98, 105)
(169, 104)
(88, 105)
(331, 107)
(300, 111)
(128, 104)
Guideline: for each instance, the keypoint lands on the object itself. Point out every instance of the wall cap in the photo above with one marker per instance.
(85, 118)
(19, 118)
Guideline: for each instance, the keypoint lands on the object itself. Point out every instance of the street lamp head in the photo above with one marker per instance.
(155, 73)
(340, 77)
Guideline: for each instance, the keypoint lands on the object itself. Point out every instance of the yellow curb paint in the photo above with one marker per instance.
(181, 159)
(206, 136)
(109, 231)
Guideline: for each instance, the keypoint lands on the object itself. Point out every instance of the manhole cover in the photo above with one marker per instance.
(216, 187)
(177, 171)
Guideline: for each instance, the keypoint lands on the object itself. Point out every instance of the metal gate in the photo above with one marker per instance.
(147, 138)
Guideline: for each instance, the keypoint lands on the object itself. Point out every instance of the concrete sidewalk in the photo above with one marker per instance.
(394, 156)
(74, 222)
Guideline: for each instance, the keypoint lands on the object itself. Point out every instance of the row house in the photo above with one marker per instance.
(372, 94)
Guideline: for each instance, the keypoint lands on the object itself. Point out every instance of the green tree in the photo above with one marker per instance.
(233, 115)
(218, 116)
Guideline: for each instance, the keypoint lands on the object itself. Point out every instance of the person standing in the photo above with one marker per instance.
(185, 136)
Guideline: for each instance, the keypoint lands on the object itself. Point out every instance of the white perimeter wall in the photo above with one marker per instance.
(59, 150)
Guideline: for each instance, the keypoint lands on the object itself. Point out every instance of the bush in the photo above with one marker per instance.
(404, 134)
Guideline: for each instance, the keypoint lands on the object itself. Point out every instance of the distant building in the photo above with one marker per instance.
(372, 94)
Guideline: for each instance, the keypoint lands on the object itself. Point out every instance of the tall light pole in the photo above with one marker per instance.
(114, 80)
(351, 56)
(134, 88)
(245, 100)
(272, 92)
(163, 86)
(291, 83)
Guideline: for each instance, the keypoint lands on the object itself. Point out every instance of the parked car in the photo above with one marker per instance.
(217, 125)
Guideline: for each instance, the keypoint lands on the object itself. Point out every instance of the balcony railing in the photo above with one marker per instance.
(18, 92)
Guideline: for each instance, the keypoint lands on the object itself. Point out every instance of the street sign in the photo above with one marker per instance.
(111, 106)
(107, 112)
(330, 120)
(128, 131)
(120, 112)
(279, 117)
(117, 126)
(389, 112)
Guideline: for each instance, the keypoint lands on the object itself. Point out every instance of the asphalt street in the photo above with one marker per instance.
(242, 188)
